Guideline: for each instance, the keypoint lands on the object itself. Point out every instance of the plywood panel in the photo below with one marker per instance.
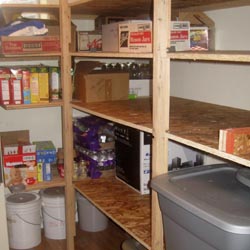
(139, 7)
(122, 204)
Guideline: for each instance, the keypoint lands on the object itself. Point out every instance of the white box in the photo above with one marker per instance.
(135, 36)
(180, 35)
(128, 36)
(89, 41)
(145, 165)
(110, 37)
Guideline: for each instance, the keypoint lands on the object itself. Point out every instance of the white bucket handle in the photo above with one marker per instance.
(31, 223)
(52, 216)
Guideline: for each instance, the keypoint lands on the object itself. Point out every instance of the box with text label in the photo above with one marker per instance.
(128, 36)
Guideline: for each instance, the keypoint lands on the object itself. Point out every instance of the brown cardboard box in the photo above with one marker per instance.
(91, 86)
(19, 158)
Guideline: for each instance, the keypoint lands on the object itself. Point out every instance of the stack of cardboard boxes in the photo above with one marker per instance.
(24, 162)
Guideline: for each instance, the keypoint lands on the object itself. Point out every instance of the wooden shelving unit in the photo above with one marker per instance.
(7, 11)
(188, 122)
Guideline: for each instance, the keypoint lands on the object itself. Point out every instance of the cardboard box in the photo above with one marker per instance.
(180, 32)
(33, 44)
(110, 36)
(43, 80)
(26, 86)
(54, 30)
(135, 36)
(129, 36)
(19, 158)
(4, 86)
(91, 86)
(201, 20)
(16, 86)
(199, 38)
(45, 151)
(34, 85)
(89, 41)
(54, 78)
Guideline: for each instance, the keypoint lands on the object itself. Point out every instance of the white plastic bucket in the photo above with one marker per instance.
(90, 218)
(24, 220)
(53, 210)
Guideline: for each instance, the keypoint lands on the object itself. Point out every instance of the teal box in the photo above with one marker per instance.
(45, 151)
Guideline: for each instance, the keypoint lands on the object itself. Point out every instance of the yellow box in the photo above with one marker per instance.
(43, 78)
(34, 85)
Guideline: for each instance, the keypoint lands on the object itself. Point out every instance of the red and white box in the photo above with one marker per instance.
(180, 36)
(16, 86)
(10, 45)
(89, 41)
(128, 36)
(4, 86)
(135, 36)
(19, 158)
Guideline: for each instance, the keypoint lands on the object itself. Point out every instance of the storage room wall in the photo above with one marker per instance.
(220, 83)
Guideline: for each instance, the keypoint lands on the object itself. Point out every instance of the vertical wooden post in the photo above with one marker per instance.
(161, 97)
(65, 32)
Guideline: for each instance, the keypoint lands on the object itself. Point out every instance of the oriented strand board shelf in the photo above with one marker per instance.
(193, 123)
(57, 181)
(228, 56)
(134, 113)
(122, 204)
(30, 57)
(34, 105)
(112, 55)
(138, 7)
(197, 124)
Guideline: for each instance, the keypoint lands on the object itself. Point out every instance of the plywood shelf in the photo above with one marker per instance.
(192, 123)
(31, 57)
(227, 56)
(137, 7)
(33, 105)
(126, 207)
(132, 113)
(57, 181)
(112, 55)
(197, 124)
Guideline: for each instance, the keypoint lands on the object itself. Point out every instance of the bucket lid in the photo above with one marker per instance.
(54, 192)
(21, 198)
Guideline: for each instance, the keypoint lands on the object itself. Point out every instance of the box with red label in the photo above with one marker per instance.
(4, 86)
(89, 41)
(16, 86)
(19, 158)
(31, 44)
(135, 36)
(128, 36)
(180, 36)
